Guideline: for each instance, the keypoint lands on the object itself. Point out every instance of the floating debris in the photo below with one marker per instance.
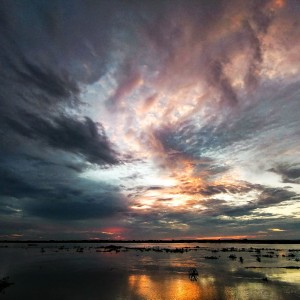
(291, 255)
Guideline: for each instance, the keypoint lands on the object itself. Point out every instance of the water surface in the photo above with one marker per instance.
(150, 271)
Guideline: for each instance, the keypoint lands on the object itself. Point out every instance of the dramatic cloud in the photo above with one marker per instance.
(149, 119)
(290, 174)
(68, 134)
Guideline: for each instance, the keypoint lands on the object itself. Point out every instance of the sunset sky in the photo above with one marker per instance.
(150, 119)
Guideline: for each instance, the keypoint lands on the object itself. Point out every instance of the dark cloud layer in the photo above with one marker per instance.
(83, 137)
(45, 80)
(45, 145)
(289, 173)
(51, 193)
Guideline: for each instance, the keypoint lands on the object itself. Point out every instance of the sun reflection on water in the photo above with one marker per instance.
(286, 275)
(175, 287)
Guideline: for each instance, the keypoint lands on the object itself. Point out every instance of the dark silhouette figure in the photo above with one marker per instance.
(193, 274)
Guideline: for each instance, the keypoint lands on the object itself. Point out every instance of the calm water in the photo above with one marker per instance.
(90, 271)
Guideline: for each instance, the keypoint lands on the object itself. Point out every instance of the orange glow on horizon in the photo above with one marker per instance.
(112, 230)
(226, 237)
(220, 237)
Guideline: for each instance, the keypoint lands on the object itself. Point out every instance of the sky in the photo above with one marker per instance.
(149, 119)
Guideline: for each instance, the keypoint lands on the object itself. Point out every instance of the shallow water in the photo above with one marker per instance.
(150, 271)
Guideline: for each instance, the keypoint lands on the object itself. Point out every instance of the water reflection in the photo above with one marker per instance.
(206, 288)
(286, 275)
(175, 287)
(141, 274)
(254, 290)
